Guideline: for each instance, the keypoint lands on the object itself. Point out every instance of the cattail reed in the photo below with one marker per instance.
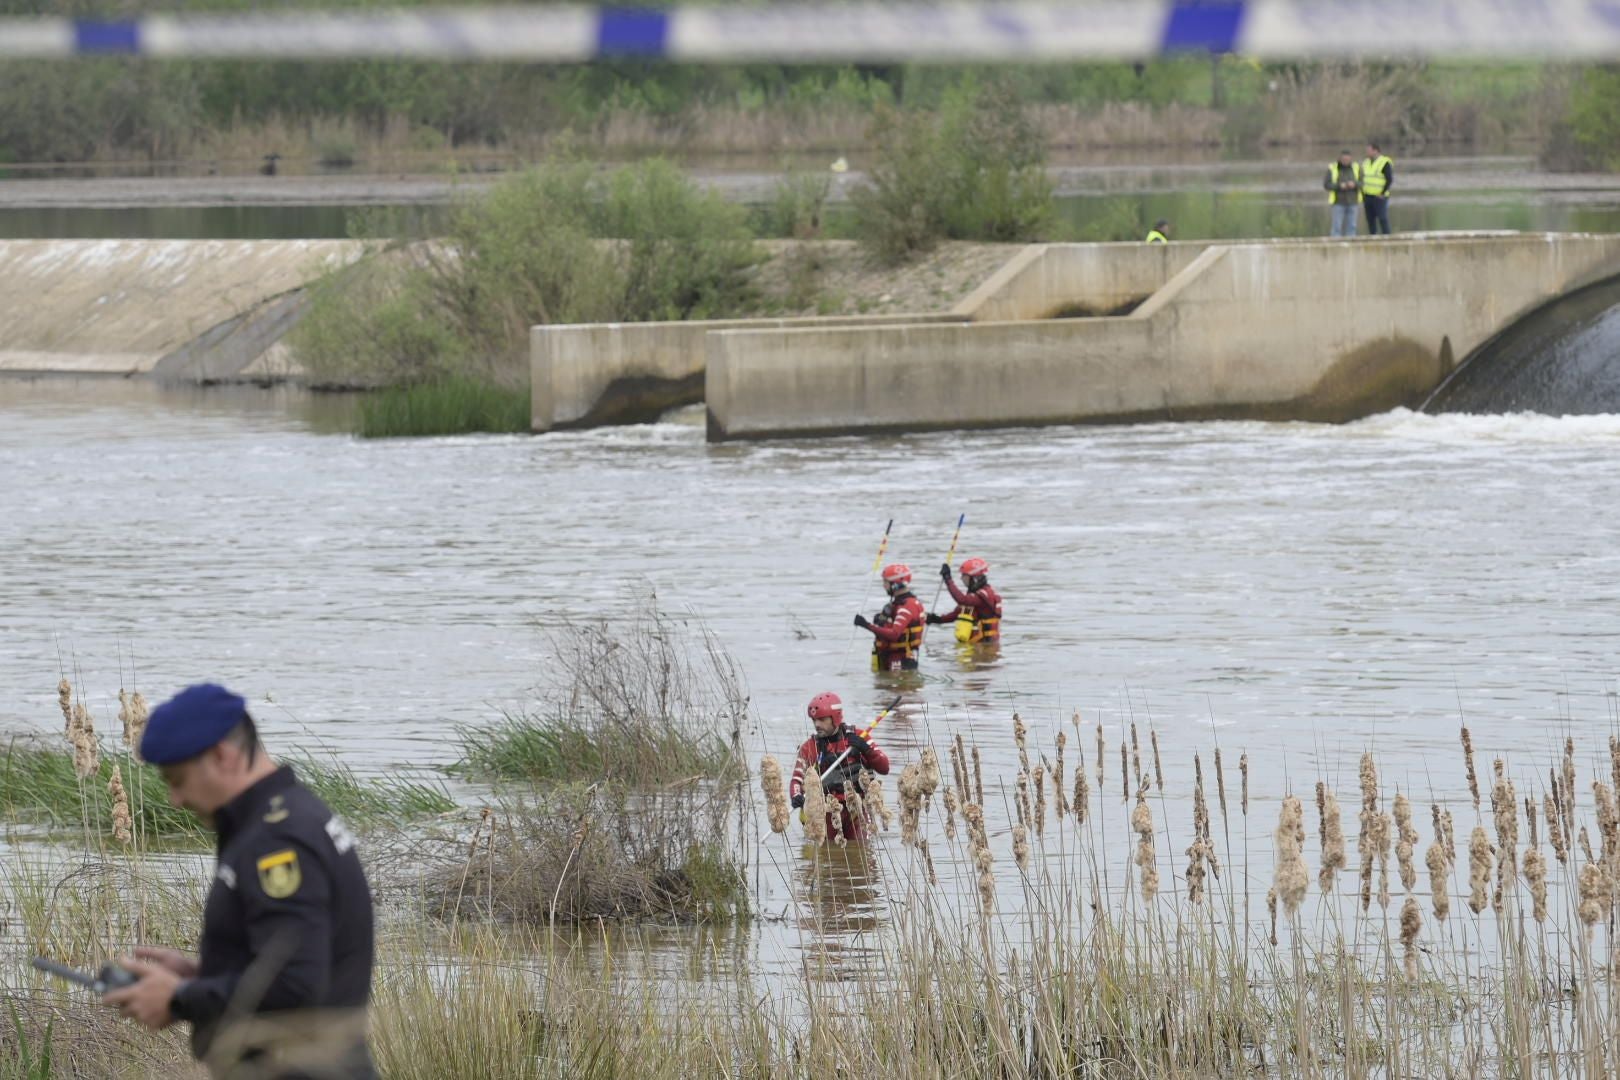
(1608, 826)
(86, 748)
(776, 801)
(1060, 799)
(1595, 891)
(1082, 792)
(1101, 760)
(1040, 801)
(1220, 784)
(983, 862)
(951, 805)
(1468, 760)
(1505, 814)
(928, 860)
(978, 779)
(1406, 843)
(815, 807)
(1439, 878)
(132, 714)
(1201, 851)
(1479, 869)
(1614, 761)
(911, 800)
(64, 698)
(1243, 769)
(929, 761)
(1332, 833)
(1555, 829)
(1124, 773)
(1021, 847)
(1411, 924)
(1020, 736)
(1271, 906)
(121, 820)
(1586, 845)
(854, 805)
(874, 799)
(1567, 788)
(959, 766)
(1292, 877)
(1535, 875)
(1142, 825)
(1158, 770)
(1451, 838)
(1026, 812)
(1367, 837)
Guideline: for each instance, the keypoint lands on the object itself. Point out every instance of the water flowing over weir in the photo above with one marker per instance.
(1561, 360)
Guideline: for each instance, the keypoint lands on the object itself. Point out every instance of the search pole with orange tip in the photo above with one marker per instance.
(839, 760)
(949, 555)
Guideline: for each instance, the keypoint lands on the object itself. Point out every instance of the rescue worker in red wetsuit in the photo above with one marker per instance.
(818, 753)
(978, 608)
(898, 628)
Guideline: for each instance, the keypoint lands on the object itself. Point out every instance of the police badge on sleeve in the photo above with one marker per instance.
(279, 875)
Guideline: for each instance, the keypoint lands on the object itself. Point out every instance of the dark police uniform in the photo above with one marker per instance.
(287, 929)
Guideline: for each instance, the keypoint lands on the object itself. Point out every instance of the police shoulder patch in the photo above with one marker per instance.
(278, 811)
(279, 875)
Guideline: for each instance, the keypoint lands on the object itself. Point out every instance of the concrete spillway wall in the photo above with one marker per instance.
(1317, 330)
(183, 309)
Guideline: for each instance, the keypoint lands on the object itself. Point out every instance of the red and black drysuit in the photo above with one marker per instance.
(981, 605)
(897, 633)
(816, 757)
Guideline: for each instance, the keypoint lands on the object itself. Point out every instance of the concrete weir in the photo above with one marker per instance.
(1304, 330)
(194, 310)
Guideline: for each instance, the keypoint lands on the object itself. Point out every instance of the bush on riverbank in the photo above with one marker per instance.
(447, 405)
(975, 170)
(557, 244)
(637, 699)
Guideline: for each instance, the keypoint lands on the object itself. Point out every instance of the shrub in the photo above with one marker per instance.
(975, 170)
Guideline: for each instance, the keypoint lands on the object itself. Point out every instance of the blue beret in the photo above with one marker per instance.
(190, 722)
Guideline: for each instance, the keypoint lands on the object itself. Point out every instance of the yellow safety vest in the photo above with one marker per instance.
(1373, 178)
(1355, 167)
(1154, 236)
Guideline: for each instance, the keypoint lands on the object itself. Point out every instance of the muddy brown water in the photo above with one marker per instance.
(1297, 592)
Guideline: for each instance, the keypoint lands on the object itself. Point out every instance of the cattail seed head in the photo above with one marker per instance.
(1479, 869)
(1535, 875)
(1468, 761)
(929, 763)
(121, 820)
(1411, 924)
(1332, 830)
(1021, 847)
(1136, 754)
(1040, 801)
(1158, 770)
(1124, 773)
(1082, 793)
(1439, 878)
(1595, 893)
(776, 801)
(1406, 843)
(1060, 799)
(1292, 878)
(1555, 829)
(1101, 760)
(951, 805)
(911, 800)
(978, 779)
(1146, 862)
(815, 807)
(1220, 783)
(1243, 770)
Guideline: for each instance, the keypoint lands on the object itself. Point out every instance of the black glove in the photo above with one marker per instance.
(860, 620)
(857, 745)
(945, 571)
(935, 620)
(798, 802)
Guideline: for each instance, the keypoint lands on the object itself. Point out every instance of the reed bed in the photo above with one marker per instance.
(1093, 954)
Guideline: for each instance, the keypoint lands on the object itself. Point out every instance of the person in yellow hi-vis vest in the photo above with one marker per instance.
(978, 606)
(1377, 177)
(1160, 233)
(1343, 185)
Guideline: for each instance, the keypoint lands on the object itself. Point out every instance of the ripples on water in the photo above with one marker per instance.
(1299, 592)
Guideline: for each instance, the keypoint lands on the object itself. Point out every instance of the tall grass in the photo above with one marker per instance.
(449, 405)
(39, 786)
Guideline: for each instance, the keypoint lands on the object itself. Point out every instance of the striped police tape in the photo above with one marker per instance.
(851, 32)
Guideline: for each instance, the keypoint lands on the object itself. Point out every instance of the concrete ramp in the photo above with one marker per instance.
(1293, 329)
(201, 310)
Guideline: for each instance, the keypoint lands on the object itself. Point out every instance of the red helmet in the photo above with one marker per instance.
(975, 568)
(897, 574)
(826, 706)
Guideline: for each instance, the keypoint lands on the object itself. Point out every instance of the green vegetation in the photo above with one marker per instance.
(447, 405)
(973, 170)
(556, 244)
(1594, 119)
(38, 785)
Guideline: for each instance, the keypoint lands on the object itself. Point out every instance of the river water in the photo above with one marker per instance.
(1296, 592)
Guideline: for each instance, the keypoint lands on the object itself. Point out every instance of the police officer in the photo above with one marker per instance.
(282, 982)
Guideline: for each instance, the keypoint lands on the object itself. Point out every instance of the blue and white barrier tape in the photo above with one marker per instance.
(789, 32)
